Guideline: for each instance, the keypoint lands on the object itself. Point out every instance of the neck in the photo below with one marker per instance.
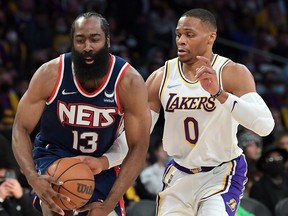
(189, 70)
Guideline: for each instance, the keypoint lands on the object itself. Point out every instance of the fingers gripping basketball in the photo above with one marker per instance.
(78, 182)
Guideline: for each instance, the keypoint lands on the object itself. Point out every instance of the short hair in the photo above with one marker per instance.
(204, 15)
(104, 23)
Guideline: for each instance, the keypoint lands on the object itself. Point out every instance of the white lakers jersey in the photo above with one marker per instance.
(198, 131)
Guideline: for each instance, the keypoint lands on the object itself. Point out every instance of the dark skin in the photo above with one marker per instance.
(133, 96)
(195, 40)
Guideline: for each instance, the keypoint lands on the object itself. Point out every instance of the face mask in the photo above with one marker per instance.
(12, 36)
(274, 168)
(278, 89)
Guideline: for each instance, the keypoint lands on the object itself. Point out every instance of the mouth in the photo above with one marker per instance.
(89, 60)
(182, 52)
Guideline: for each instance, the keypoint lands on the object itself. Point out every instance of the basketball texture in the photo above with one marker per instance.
(78, 182)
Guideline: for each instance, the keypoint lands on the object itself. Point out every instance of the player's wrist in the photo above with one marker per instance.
(32, 177)
(104, 162)
(217, 94)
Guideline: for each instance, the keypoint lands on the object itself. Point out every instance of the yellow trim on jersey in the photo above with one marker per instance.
(214, 60)
(167, 173)
(181, 73)
(165, 78)
(225, 182)
(220, 72)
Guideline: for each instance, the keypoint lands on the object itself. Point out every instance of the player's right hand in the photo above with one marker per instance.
(96, 164)
(42, 185)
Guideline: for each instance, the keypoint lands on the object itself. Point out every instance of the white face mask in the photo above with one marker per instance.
(12, 36)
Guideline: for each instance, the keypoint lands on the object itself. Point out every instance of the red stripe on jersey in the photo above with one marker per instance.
(122, 72)
(121, 202)
(60, 73)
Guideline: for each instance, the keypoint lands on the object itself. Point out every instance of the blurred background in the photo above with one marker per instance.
(252, 32)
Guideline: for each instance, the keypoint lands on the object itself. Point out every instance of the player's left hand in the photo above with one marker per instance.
(206, 75)
(96, 209)
(97, 165)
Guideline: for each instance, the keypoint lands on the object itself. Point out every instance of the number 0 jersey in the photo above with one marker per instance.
(76, 122)
(198, 131)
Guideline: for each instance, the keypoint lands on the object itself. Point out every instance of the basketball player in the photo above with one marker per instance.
(83, 98)
(205, 97)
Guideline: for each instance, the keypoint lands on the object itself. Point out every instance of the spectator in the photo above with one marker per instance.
(251, 144)
(273, 185)
(15, 200)
(151, 176)
(282, 142)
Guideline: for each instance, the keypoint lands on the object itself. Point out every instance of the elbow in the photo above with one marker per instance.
(263, 127)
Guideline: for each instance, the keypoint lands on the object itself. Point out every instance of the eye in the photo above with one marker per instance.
(80, 40)
(190, 35)
(95, 40)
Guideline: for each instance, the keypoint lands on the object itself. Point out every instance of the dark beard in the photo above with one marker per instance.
(85, 72)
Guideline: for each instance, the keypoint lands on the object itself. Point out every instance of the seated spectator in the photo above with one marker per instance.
(14, 199)
(282, 142)
(273, 185)
(251, 144)
(151, 176)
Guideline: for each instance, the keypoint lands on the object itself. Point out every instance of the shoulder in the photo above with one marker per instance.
(234, 67)
(48, 69)
(132, 77)
(131, 85)
(156, 77)
(237, 79)
(237, 71)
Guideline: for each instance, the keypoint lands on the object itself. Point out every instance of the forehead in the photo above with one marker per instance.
(189, 23)
(88, 26)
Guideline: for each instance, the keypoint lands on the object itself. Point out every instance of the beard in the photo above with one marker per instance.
(98, 69)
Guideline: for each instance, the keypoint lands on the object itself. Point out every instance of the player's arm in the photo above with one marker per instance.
(137, 122)
(28, 114)
(113, 157)
(243, 102)
(238, 95)
(153, 84)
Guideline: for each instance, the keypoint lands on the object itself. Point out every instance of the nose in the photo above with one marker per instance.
(181, 39)
(87, 46)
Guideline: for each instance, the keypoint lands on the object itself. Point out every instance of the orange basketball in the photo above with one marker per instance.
(78, 182)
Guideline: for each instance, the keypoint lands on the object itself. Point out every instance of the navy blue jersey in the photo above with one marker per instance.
(76, 122)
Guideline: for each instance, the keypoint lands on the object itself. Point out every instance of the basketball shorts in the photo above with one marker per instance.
(213, 191)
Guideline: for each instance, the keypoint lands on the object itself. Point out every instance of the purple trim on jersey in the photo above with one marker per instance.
(191, 171)
(236, 187)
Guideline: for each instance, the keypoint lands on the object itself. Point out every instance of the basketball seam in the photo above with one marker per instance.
(64, 171)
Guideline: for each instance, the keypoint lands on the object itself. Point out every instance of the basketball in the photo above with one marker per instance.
(78, 182)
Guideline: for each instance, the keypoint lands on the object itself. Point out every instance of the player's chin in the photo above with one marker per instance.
(183, 59)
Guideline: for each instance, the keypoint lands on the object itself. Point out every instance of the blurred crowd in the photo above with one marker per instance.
(252, 32)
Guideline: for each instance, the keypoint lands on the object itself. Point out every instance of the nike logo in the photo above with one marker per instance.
(67, 93)
(173, 85)
(109, 95)
(234, 104)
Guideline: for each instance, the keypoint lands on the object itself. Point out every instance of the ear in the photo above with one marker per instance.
(212, 38)
(108, 41)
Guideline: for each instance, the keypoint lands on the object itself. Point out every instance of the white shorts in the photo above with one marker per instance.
(215, 193)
